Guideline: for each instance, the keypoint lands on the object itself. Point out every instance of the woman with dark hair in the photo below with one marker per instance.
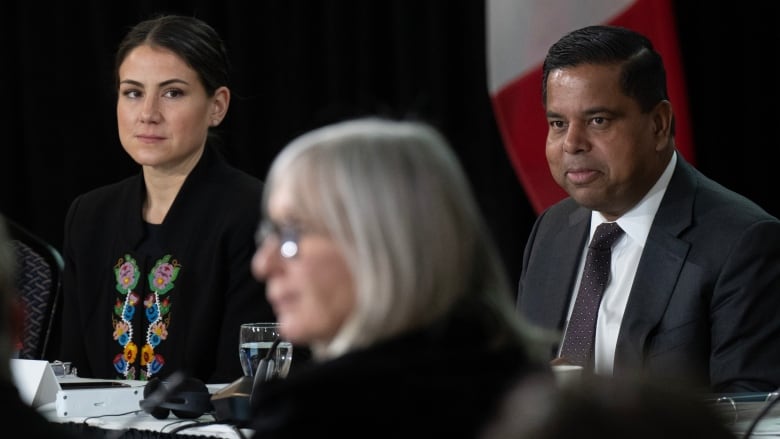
(157, 273)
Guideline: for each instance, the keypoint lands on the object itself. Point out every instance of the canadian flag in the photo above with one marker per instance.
(519, 32)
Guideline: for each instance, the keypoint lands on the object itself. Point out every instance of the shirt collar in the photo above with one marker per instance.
(637, 221)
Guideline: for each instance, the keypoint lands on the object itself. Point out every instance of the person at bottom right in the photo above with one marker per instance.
(609, 408)
(694, 280)
(375, 255)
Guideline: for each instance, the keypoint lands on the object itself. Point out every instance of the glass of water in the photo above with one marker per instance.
(258, 341)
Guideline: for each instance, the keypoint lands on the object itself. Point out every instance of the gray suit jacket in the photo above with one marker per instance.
(704, 309)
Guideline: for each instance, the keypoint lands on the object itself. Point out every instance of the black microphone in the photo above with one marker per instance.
(232, 404)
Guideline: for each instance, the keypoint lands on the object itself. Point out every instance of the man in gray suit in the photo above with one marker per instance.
(693, 297)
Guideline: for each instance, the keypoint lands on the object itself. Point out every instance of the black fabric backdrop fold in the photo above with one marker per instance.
(298, 64)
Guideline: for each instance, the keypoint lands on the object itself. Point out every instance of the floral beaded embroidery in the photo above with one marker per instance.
(157, 312)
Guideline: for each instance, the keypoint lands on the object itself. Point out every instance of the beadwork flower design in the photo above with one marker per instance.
(127, 274)
(163, 274)
(156, 310)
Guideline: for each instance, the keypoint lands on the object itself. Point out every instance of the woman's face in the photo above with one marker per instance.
(163, 111)
(312, 293)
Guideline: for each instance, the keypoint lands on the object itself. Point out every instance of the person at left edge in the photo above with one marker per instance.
(28, 421)
(157, 276)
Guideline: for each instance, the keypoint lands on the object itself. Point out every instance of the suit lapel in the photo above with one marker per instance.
(658, 270)
(564, 246)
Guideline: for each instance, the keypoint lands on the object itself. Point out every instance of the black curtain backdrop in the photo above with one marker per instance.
(298, 64)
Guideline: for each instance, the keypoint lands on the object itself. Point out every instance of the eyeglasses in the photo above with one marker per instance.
(287, 235)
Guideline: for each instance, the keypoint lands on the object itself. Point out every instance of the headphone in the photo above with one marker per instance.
(266, 366)
(232, 404)
(187, 398)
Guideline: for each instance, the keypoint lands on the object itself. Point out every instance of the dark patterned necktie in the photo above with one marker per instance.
(580, 333)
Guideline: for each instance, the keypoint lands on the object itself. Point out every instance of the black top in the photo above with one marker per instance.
(145, 300)
(443, 382)
(25, 420)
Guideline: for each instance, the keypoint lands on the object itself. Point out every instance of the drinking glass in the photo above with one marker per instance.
(256, 341)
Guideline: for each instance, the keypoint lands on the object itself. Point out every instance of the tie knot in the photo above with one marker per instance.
(606, 235)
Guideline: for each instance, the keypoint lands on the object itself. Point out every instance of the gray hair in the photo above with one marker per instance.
(394, 197)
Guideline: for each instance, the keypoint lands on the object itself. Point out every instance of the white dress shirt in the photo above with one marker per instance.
(625, 258)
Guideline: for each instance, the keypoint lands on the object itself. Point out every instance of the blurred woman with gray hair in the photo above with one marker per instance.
(376, 256)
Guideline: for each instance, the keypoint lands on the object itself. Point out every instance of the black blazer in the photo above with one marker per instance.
(703, 308)
(444, 381)
(208, 234)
